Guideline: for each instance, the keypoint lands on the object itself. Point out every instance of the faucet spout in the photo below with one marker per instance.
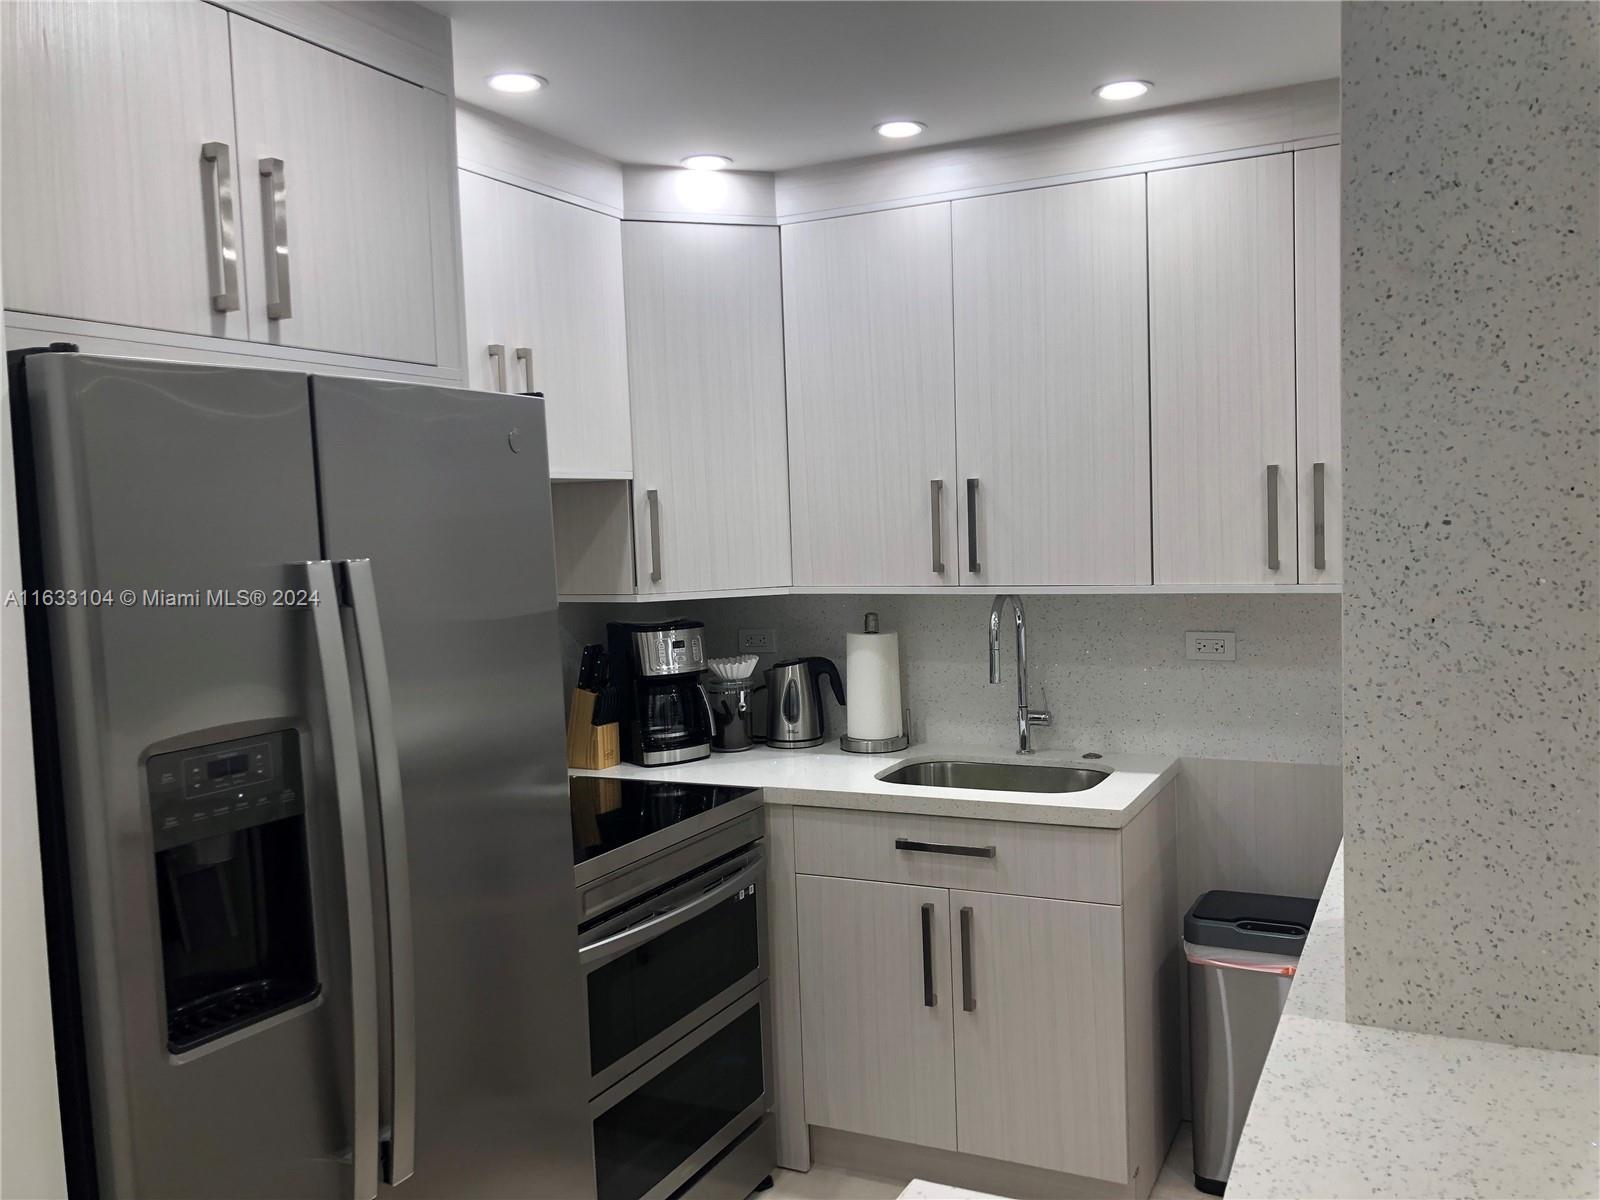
(1027, 717)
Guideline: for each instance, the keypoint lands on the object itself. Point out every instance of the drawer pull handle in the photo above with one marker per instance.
(929, 1000)
(943, 848)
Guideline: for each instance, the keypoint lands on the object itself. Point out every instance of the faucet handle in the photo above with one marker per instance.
(1041, 716)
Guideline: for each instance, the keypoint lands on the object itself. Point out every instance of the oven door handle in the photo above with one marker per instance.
(607, 948)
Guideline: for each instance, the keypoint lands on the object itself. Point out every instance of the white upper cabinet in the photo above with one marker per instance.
(868, 345)
(1222, 372)
(176, 169)
(1317, 396)
(105, 111)
(1052, 385)
(340, 238)
(543, 281)
(705, 357)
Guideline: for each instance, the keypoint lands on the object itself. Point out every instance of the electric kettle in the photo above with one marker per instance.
(794, 701)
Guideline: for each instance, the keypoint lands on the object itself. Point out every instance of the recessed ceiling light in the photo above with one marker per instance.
(707, 162)
(518, 83)
(1123, 89)
(900, 129)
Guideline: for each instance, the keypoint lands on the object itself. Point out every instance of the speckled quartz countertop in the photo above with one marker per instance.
(827, 777)
(1353, 1110)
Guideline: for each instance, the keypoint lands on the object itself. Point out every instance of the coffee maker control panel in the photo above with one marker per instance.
(669, 651)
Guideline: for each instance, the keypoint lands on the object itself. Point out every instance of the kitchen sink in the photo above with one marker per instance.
(996, 776)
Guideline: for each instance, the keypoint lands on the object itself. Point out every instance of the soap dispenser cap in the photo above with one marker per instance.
(870, 625)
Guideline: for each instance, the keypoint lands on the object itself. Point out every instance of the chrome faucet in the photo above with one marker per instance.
(1027, 717)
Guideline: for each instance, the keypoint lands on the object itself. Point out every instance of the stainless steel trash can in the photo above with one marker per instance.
(1242, 949)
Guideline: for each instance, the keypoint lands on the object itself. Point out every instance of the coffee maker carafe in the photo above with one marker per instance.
(665, 716)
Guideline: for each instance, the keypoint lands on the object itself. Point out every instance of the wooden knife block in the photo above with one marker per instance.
(590, 746)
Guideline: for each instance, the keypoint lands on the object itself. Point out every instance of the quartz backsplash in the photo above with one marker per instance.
(1112, 669)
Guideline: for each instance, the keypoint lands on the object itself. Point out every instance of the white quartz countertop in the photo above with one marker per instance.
(1348, 1110)
(827, 777)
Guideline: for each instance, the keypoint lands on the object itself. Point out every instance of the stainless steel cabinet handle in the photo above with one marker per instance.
(944, 848)
(525, 357)
(351, 806)
(936, 503)
(397, 1110)
(1319, 517)
(652, 501)
(929, 1000)
(497, 359)
(222, 230)
(973, 565)
(275, 212)
(969, 997)
(634, 936)
(1272, 518)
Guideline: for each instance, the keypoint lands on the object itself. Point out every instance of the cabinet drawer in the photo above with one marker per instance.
(1055, 861)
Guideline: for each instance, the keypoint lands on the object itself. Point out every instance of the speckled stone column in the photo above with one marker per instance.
(1471, 217)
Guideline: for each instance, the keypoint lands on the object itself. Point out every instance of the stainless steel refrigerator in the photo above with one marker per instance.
(296, 689)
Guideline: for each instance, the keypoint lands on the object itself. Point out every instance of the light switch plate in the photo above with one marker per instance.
(1208, 647)
(758, 641)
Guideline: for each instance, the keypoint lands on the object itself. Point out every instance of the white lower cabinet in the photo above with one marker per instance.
(876, 998)
(1025, 1031)
(1039, 1038)
(965, 1020)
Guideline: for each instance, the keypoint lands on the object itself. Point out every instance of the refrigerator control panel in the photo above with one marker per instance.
(224, 787)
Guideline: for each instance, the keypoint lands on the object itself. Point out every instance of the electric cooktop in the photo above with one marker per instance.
(617, 822)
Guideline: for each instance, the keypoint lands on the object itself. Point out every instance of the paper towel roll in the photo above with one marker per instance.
(872, 677)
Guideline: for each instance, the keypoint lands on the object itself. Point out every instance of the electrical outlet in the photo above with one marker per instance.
(758, 641)
(1209, 647)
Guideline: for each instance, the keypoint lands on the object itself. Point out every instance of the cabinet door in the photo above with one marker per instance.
(105, 109)
(1316, 334)
(1040, 1065)
(1052, 385)
(346, 233)
(877, 1054)
(705, 357)
(568, 280)
(491, 256)
(1222, 371)
(868, 346)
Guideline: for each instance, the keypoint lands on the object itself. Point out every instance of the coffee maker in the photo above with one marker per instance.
(665, 715)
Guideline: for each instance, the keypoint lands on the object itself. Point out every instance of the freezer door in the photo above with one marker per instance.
(446, 493)
(190, 767)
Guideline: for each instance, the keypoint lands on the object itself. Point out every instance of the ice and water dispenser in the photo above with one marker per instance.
(234, 880)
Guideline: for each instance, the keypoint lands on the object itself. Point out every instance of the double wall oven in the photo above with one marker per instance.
(671, 899)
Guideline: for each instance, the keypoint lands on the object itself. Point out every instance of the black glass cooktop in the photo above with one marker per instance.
(608, 814)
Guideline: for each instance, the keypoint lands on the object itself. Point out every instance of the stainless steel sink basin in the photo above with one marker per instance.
(997, 777)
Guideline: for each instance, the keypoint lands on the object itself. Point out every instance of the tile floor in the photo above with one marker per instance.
(832, 1183)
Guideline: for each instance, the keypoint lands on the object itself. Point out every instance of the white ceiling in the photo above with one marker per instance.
(776, 84)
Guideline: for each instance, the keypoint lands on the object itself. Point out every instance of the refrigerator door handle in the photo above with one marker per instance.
(357, 878)
(397, 1108)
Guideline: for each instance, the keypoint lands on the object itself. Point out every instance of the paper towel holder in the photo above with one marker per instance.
(886, 745)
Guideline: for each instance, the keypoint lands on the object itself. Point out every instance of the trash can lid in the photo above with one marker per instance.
(1250, 921)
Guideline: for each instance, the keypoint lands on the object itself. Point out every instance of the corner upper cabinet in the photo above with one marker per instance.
(1317, 395)
(705, 357)
(1222, 372)
(868, 344)
(105, 110)
(544, 312)
(1052, 385)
